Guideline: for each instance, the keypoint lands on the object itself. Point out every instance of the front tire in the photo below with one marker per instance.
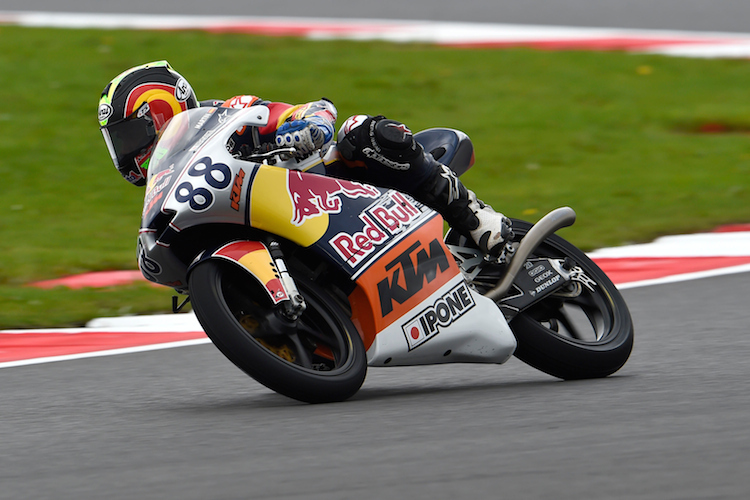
(319, 359)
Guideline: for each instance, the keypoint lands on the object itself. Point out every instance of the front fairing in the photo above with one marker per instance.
(191, 173)
(192, 180)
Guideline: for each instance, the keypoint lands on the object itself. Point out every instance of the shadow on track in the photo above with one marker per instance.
(266, 400)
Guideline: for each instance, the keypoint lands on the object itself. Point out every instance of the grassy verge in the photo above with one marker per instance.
(618, 137)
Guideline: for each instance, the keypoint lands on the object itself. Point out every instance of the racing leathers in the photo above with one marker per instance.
(377, 151)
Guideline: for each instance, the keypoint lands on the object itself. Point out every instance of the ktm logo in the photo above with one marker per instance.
(234, 196)
(409, 276)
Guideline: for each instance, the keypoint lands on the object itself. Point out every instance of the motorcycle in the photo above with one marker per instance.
(305, 280)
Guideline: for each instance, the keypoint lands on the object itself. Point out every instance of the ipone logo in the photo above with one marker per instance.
(442, 313)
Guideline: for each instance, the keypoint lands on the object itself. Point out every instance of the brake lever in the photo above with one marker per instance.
(282, 153)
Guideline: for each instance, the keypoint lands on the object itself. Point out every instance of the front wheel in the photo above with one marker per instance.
(318, 359)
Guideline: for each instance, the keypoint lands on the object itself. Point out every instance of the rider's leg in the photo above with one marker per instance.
(393, 158)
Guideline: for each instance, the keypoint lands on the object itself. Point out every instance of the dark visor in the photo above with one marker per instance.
(127, 137)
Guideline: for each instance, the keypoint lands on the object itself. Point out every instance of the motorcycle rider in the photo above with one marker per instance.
(136, 105)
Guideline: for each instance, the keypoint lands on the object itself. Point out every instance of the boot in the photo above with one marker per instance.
(459, 206)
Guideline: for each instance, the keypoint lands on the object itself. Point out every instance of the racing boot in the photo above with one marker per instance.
(394, 159)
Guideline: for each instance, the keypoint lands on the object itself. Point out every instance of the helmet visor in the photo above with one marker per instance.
(127, 137)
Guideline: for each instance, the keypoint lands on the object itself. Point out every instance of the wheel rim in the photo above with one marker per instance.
(588, 318)
(317, 343)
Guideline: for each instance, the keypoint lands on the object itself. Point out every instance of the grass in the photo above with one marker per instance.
(619, 137)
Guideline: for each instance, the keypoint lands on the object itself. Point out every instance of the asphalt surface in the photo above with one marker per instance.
(185, 423)
(701, 15)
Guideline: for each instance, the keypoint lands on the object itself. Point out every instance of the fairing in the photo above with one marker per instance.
(410, 302)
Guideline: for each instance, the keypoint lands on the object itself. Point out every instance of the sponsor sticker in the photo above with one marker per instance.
(155, 188)
(382, 221)
(234, 195)
(445, 311)
(407, 277)
(105, 111)
(182, 90)
(313, 195)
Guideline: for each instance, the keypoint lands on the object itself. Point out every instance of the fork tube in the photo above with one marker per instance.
(296, 305)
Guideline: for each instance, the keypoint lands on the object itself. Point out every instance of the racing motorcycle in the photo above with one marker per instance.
(304, 280)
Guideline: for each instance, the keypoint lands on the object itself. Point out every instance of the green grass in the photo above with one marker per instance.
(613, 135)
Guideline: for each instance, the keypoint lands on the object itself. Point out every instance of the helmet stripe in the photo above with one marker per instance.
(149, 92)
(154, 95)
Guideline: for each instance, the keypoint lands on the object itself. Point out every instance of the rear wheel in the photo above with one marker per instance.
(319, 358)
(582, 331)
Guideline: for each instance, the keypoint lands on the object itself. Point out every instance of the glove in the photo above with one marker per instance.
(303, 135)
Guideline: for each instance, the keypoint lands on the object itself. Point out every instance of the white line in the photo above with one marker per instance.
(730, 244)
(110, 352)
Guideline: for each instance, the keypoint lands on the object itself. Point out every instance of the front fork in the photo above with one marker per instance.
(292, 308)
(264, 262)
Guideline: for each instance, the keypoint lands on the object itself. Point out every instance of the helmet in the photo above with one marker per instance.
(134, 107)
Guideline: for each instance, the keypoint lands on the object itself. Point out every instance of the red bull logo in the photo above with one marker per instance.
(313, 195)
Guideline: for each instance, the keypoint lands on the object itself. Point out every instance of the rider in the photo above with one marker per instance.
(138, 103)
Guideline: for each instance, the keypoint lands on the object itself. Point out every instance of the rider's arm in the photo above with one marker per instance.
(307, 127)
(321, 113)
(313, 122)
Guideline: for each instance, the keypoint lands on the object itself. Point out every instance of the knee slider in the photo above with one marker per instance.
(378, 139)
(392, 135)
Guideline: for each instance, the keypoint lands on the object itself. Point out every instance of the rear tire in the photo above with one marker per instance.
(321, 359)
(546, 344)
(585, 336)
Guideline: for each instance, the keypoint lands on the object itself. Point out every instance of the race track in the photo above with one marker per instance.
(185, 423)
(700, 15)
